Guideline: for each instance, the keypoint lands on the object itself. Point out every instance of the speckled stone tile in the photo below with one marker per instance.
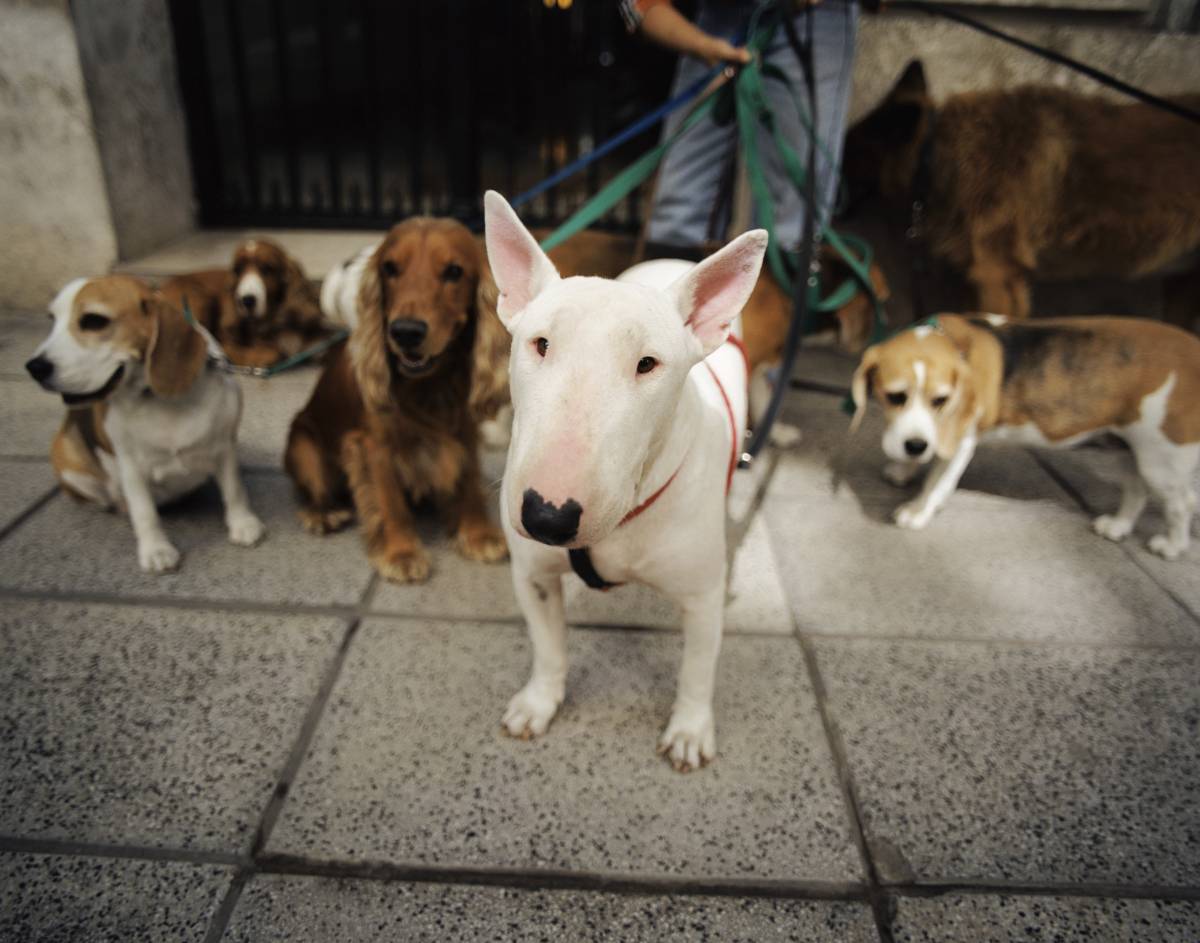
(57, 899)
(289, 567)
(268, 408)
(21, 484)
(977, 571)
(829, 461)
(1044, 764)
(1096, 474)
(317, 910)
(409, 764)
(29, 417)
(20, 336)
(985, 919)
(825, 365)
(146, 726)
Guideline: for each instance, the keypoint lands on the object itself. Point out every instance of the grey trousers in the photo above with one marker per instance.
(691, 173)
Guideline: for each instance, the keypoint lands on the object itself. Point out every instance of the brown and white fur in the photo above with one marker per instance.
(393, 420)
(261, 309)
(147, 421)
(1052, 382)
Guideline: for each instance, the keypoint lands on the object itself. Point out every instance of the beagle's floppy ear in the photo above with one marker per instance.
(176, 351)
(489, 355)
(712, 295)
(960, 414)
(860, 386)
(521, 269)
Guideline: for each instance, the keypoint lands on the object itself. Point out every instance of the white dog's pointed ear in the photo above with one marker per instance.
(520, 267)
(713, 294)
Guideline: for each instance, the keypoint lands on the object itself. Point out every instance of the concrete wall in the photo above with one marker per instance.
(128, 60)
(54, 215)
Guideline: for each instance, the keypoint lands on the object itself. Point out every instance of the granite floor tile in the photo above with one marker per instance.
(317, 910)
(29, 417)
(100, 554)
(21, 484)
(56, 899)
(964, 918)
(977, 571)
(1043, 764)
(162, 727)
(20, 336)
(268, 408)
(409, 764)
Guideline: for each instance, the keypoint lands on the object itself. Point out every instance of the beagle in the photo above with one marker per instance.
(147, 421)
(948, 384)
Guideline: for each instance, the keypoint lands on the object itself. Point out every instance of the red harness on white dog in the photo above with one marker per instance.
(581, 559)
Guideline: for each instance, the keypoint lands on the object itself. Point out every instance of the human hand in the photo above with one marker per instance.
(718, 50)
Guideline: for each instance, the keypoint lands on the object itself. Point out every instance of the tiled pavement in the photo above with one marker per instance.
(985, 731)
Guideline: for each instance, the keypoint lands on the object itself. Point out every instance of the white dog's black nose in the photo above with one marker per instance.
(40, 369)
(547, 523)
(915, 447)
(249, 302)
(408, 333)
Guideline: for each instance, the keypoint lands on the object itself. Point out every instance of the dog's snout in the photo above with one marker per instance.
(40, 369)
(550, 524)
(249, 302)
(915, 447)
(408, 333)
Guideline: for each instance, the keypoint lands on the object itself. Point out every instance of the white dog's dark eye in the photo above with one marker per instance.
(897, 399)
(938, 401)
(541, 345)
(93, 322)
(390, 269)
(452, 272)
(646, 364)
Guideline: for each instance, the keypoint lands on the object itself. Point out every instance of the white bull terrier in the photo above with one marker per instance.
(629, 409)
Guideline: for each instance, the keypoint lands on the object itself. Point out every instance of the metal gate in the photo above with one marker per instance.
(315, 113)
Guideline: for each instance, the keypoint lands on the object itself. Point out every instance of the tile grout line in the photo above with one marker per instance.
(877, 899)
(67, 847)
(291, 767)
(30, 511)
(1096, 891)
(1077, 496)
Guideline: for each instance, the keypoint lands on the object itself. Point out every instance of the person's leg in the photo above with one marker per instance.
(690, 176)
(834, 27)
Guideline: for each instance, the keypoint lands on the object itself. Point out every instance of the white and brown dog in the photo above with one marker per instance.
(147, 421)
(946, 385)
(629, 412)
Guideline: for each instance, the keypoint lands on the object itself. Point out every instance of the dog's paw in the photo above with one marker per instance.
(1167, 547)
(530, 711)
(785, 436)
(157, 556)
(409, 566)
(246, 530)
(899, 473)
(912, 515)
(1112, 527)
(324, 522)
(482, 545)
(689, 740)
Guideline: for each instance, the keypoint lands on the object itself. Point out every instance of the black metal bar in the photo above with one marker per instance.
(370, 108)
(249, 143)
(326, 37)
(282, 72)
(416, 138)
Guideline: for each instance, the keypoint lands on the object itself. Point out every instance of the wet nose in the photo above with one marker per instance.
(915, 447)
(547, 523)
(249, 302)
(40, 369)
(408, 333)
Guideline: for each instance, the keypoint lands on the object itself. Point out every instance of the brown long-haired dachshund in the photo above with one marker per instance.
(393, 419)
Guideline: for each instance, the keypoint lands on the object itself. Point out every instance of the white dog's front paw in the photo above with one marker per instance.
(245, 530)
(900, 473)
(1167, 547)
(530, 711)
(157, 555)
(784, 435)
(1112, 527)
(912, 516)
(689, 740)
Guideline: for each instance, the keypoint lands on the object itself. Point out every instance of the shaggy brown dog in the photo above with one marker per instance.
(261, 309)
(393, 419)
(1036, 182)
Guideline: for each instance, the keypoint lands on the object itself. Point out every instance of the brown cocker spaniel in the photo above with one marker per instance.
(393, 420)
